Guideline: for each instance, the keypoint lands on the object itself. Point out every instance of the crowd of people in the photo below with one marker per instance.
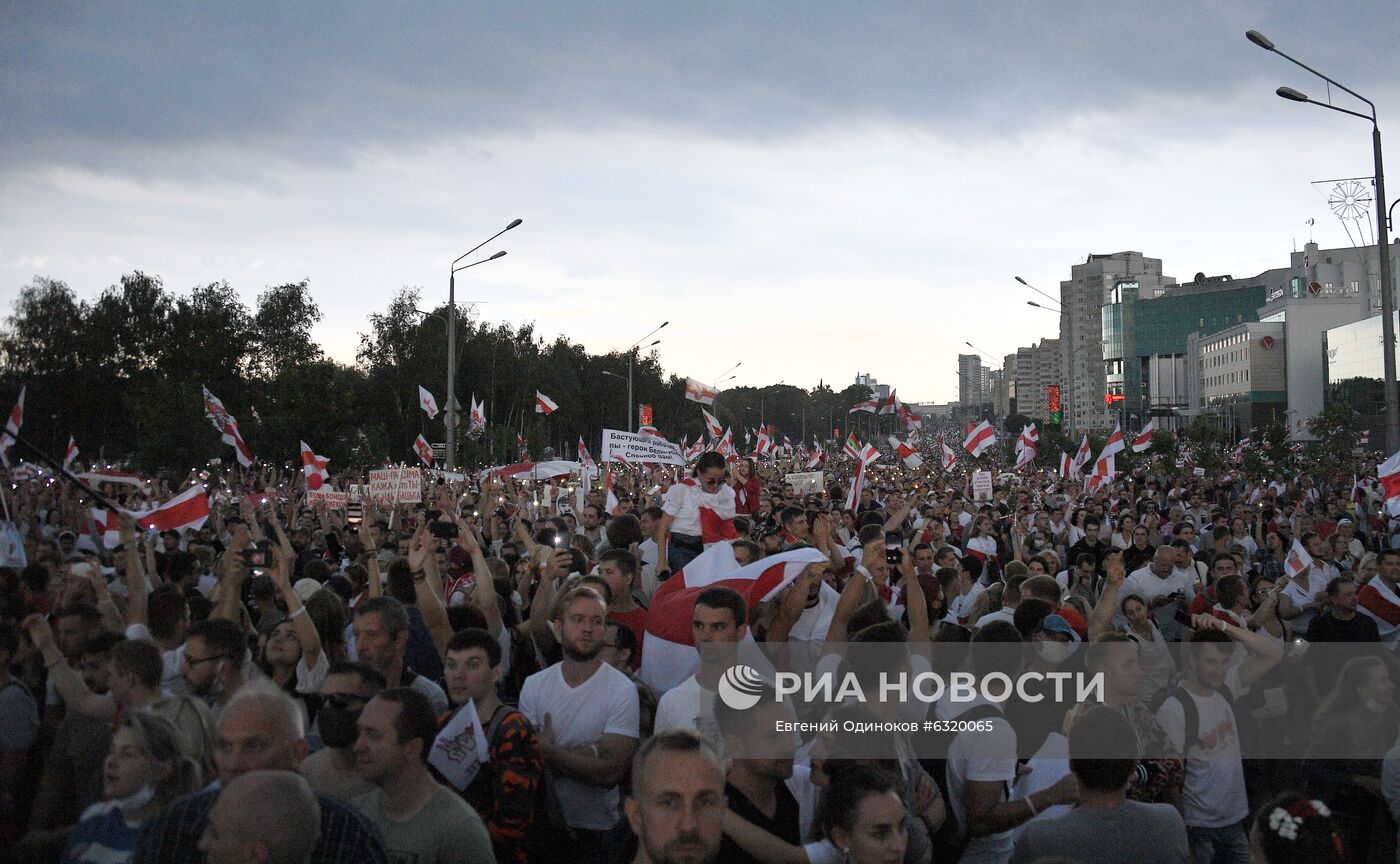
(462, 679)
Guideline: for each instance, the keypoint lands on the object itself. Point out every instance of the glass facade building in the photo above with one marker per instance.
(1144, 340)
(1355, 363)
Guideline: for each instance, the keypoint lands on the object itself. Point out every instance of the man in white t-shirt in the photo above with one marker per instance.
(1213, 794)
(981, 769)
(718, 623)
(588, 717)
(688, 506)
(1010, 599)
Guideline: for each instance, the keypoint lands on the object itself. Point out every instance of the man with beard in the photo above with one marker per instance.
(677, 799)
(215, 662)
(587, 715)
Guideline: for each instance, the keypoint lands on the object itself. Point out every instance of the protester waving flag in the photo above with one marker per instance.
(427, 402)
(7, 440)
(1081, 458)
(697, 392)
(314, 467)
(71, 453)
(852, 448)
(424, 450)
(950, 457)
(1144, 438)
(585, 458)
(1114, 445)
(478, 416)
(910, 456)
(870, 406)
(228, 428)
(980, 439)
(712, 424)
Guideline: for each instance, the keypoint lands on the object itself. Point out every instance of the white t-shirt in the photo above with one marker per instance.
(1002, 614)
(605, 704)
(961, 605)
(1318, 577)
(172, 677)
(1145, 584)
(982, 756)
(683, 503)
(1213, 794)
(690, 706)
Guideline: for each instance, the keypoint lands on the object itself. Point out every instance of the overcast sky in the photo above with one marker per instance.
(814, 189)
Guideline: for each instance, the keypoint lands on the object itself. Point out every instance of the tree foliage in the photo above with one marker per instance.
(123, 374)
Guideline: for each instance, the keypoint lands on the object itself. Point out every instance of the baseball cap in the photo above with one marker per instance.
(1058, 625)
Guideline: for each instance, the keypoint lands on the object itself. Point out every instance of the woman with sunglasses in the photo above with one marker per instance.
(700, 505)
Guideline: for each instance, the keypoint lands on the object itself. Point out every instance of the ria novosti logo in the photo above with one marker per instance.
(740, 687)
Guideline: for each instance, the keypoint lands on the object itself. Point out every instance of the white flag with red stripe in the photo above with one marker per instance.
(693, 452)
(314, 467)
(610, 502)
(670, 656)
(910, 456)
(427, 402)
(712, 424)
(1114, 445)
(1081, 457)
(228, 428)
(950, 457)
(544, 404)
(818, 457)
(185, 512)
(12, 426)
(585, 458)
(108, 527)
(980, 439)
(1103, 472)
(424, 450)
(1389, 475)
(478, 416)
(1298, 560)
(71, 453)
(870, 406)
(1066, 466)
(697, 392)
(1144, 438)
(890, 405)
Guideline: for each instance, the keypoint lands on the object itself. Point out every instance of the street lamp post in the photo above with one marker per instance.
(631, 354)
(450, 418)
(1392, 406)
(625, 420)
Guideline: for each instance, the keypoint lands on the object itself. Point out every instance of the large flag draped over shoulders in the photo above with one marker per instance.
(670, 656)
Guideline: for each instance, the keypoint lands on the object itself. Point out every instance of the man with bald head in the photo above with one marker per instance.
(239, 831)
(1161, 584)
(260, 729)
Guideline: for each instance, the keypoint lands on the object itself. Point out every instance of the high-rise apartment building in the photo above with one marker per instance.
(1036, 368)
(972, 380)
(1082, 297)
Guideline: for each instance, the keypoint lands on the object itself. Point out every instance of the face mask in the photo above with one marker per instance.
(337, 726)
(136, 800)
(1053, 652)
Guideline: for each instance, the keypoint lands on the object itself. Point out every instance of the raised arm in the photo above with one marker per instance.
(484, 591)
(281, 572)
(914, 602)
(68, 683)
(427, 589)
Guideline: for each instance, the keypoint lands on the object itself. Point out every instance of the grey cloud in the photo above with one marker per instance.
(92, 82)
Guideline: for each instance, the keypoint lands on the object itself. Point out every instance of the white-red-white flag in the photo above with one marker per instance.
(478, 416)
(890, 405)
(1115, 444)
(670, 656)
(1297, 560)
(1081, 457)
(424, 450)
(1103, 472)
(544, 404)
(870, 406)
(585, 458)
(1389, 476)
(910, 456)
(228, 428)
(818, 457)
(1025, 446)
(980, 439)
(1144, 438)
(185, 512)
(693, 452)
(857, 483)
(1066, 466)
(950, 457)
(712, 424)
(7, 439)
(71, 453)
(427, 402)
(868, 454)
(108, 527)
(697, 392)
(314, 467)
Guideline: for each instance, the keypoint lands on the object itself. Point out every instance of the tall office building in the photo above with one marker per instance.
(1082, 297)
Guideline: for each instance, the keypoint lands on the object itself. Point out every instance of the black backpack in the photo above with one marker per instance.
(1191, 726)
